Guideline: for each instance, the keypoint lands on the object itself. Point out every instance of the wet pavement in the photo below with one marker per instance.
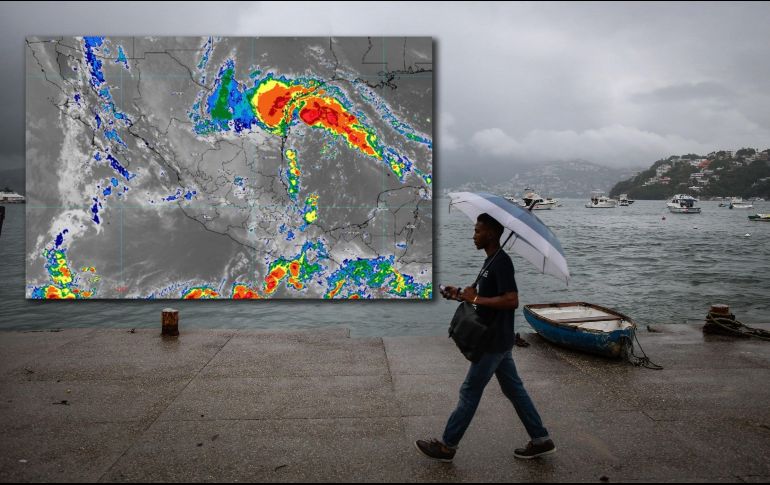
(228, 405)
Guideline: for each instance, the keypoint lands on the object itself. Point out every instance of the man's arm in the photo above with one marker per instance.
(506, 301)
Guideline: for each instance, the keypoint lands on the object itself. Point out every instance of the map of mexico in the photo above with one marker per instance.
(242, 168)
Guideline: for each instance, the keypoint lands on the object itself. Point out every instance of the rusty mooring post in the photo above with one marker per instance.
(720, 309)
(720, 320)
(170, 322)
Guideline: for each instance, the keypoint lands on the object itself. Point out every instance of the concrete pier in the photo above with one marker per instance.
(215, 405)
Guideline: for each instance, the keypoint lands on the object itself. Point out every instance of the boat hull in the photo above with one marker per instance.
(607, 344)
(684, 210)
(544, 207)
(600, 201)
(760, 217)
(600, 206)
(539, 206)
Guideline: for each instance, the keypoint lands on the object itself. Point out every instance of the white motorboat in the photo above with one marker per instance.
(739, 203)
(531, 197)
(683, 204)
(512, 199)
(11, 198)
(600, 201)
(624, 200)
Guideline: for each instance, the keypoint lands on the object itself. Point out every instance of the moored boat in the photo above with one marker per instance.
(11, 198)
(739, 203)
(624, 200)
(600, 201)
(582, 326)
(511, 198)
(534, 200)
(760, 217)
(683, 204)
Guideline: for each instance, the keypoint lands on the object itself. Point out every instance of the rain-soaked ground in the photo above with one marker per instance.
(241, 405)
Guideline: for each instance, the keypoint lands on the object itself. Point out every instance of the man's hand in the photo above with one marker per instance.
(469, 294)
(451, 293)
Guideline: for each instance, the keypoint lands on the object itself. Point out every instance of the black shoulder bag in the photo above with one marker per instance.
(467, 329)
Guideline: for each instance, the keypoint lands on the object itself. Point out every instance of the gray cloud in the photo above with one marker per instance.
(620, 84)
(19, 20)
(686, 92)
(615, 146)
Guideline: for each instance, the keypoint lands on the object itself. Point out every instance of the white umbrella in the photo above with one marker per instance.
(524, 233)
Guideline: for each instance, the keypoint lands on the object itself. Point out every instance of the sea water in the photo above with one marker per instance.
(654, 266)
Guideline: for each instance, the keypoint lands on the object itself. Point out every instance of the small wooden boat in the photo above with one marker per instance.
(582, 326)
(760, 217)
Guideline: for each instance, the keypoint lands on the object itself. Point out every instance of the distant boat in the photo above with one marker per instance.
(582, 326)
(600, 201)
(683, 204)
(531, 198)
(624, 200)
(760, 217)
(11, 198)
(512, 199)
(739, 203)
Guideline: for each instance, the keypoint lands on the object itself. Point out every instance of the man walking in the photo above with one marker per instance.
(496, 300)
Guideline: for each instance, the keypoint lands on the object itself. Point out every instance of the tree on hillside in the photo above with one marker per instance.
(741, 182)
(681, 173)
(623, 187)
(745, 152)
(650, 192)
(731, 179)
(761, 188)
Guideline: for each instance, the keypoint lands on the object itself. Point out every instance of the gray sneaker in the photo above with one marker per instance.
(533, 451)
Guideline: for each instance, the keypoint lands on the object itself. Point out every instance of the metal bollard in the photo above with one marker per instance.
(720, 321)
(170, 321)
(720, 309)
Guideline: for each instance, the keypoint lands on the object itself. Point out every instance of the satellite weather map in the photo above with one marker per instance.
(229, 167)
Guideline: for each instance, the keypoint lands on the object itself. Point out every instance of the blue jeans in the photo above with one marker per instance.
(478, 377)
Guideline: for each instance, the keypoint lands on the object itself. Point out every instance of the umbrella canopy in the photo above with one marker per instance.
(530, 239)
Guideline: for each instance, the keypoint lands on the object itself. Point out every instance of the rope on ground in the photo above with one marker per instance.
(638, 361)
(730, 326)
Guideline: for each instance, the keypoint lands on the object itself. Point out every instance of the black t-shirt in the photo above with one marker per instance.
(496, 280)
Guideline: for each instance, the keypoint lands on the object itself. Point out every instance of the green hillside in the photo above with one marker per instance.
(745, 173)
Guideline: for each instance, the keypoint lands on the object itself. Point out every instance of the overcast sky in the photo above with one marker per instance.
(620, 85)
